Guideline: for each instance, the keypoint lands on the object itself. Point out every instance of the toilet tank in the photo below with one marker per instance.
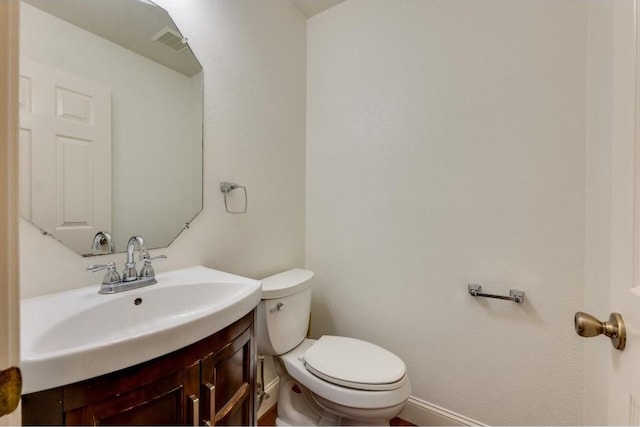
(283, 313)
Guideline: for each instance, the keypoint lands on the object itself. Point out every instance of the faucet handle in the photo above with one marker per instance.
(147, 269)
(111, 276)
(98, 267)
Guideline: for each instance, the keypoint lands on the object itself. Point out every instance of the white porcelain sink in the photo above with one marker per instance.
(75, 335)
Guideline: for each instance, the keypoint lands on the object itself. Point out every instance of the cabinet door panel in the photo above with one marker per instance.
(159, 410)
(236, 410)
(46, 408)
(230, 371)
(161, 402)
(229, 377)
(235, 418)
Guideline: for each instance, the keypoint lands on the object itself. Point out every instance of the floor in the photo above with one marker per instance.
(269, 419)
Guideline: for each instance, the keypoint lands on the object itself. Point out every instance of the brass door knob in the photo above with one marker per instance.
(10, 390)
(588, 326)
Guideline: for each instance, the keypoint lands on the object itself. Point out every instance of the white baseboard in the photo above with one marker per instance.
(272, 390)
(422, 413)
(416, 411)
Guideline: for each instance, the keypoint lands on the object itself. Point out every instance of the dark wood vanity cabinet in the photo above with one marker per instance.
(211, 381)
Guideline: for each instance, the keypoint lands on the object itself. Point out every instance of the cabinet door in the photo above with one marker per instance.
(228, 383)
(170, 400)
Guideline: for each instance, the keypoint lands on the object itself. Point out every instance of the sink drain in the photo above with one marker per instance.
(137, 301)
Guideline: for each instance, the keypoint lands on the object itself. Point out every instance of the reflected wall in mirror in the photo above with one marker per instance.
(110, 122)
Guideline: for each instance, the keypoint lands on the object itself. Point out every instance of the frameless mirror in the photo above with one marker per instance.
(110, 122)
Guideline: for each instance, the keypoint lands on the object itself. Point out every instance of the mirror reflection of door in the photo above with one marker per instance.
(65, 153)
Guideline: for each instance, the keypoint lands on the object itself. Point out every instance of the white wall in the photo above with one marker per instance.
(253, 54)
(446, 145)
(154, 114)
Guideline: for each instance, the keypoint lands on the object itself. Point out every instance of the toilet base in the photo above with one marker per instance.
(297, 406)
(357, 416)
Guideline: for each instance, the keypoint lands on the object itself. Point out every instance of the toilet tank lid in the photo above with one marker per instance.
(286, 283)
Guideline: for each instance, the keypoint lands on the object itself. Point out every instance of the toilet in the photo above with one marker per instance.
(329, 381)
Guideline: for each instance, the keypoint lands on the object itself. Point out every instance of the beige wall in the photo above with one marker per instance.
(446, 145)
(253, 54)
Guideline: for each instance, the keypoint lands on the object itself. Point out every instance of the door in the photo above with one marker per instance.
(65, 154)
(612, 377)
(624, 366)
(9, 298)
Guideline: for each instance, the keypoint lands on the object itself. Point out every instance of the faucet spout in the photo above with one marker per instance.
(130, 272)
(131, 247)
(100, 239)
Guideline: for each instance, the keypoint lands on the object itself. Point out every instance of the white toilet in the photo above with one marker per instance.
(329, 381)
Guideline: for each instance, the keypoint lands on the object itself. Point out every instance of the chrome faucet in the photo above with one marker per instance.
(100, 239)
(130, 272)
(112, 283)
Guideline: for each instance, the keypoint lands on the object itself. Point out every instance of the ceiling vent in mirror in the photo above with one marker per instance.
(171, 39)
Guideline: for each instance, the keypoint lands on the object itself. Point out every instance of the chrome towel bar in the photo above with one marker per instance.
(514, 295)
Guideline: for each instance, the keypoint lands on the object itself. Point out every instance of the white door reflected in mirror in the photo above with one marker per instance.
(65, 153)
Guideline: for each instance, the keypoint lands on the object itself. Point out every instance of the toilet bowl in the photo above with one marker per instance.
(330, 381)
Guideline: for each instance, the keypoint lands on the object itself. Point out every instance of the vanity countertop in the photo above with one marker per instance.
(79, 334)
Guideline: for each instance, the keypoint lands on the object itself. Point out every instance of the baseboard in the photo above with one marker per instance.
(272, 390)
(416, 411)
(422, 413)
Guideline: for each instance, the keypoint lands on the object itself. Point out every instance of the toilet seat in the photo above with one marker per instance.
(295, 365)
(354, 363)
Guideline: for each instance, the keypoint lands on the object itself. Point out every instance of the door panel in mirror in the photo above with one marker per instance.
(65, 128)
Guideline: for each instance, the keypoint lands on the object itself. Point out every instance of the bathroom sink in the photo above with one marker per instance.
(79, 334)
